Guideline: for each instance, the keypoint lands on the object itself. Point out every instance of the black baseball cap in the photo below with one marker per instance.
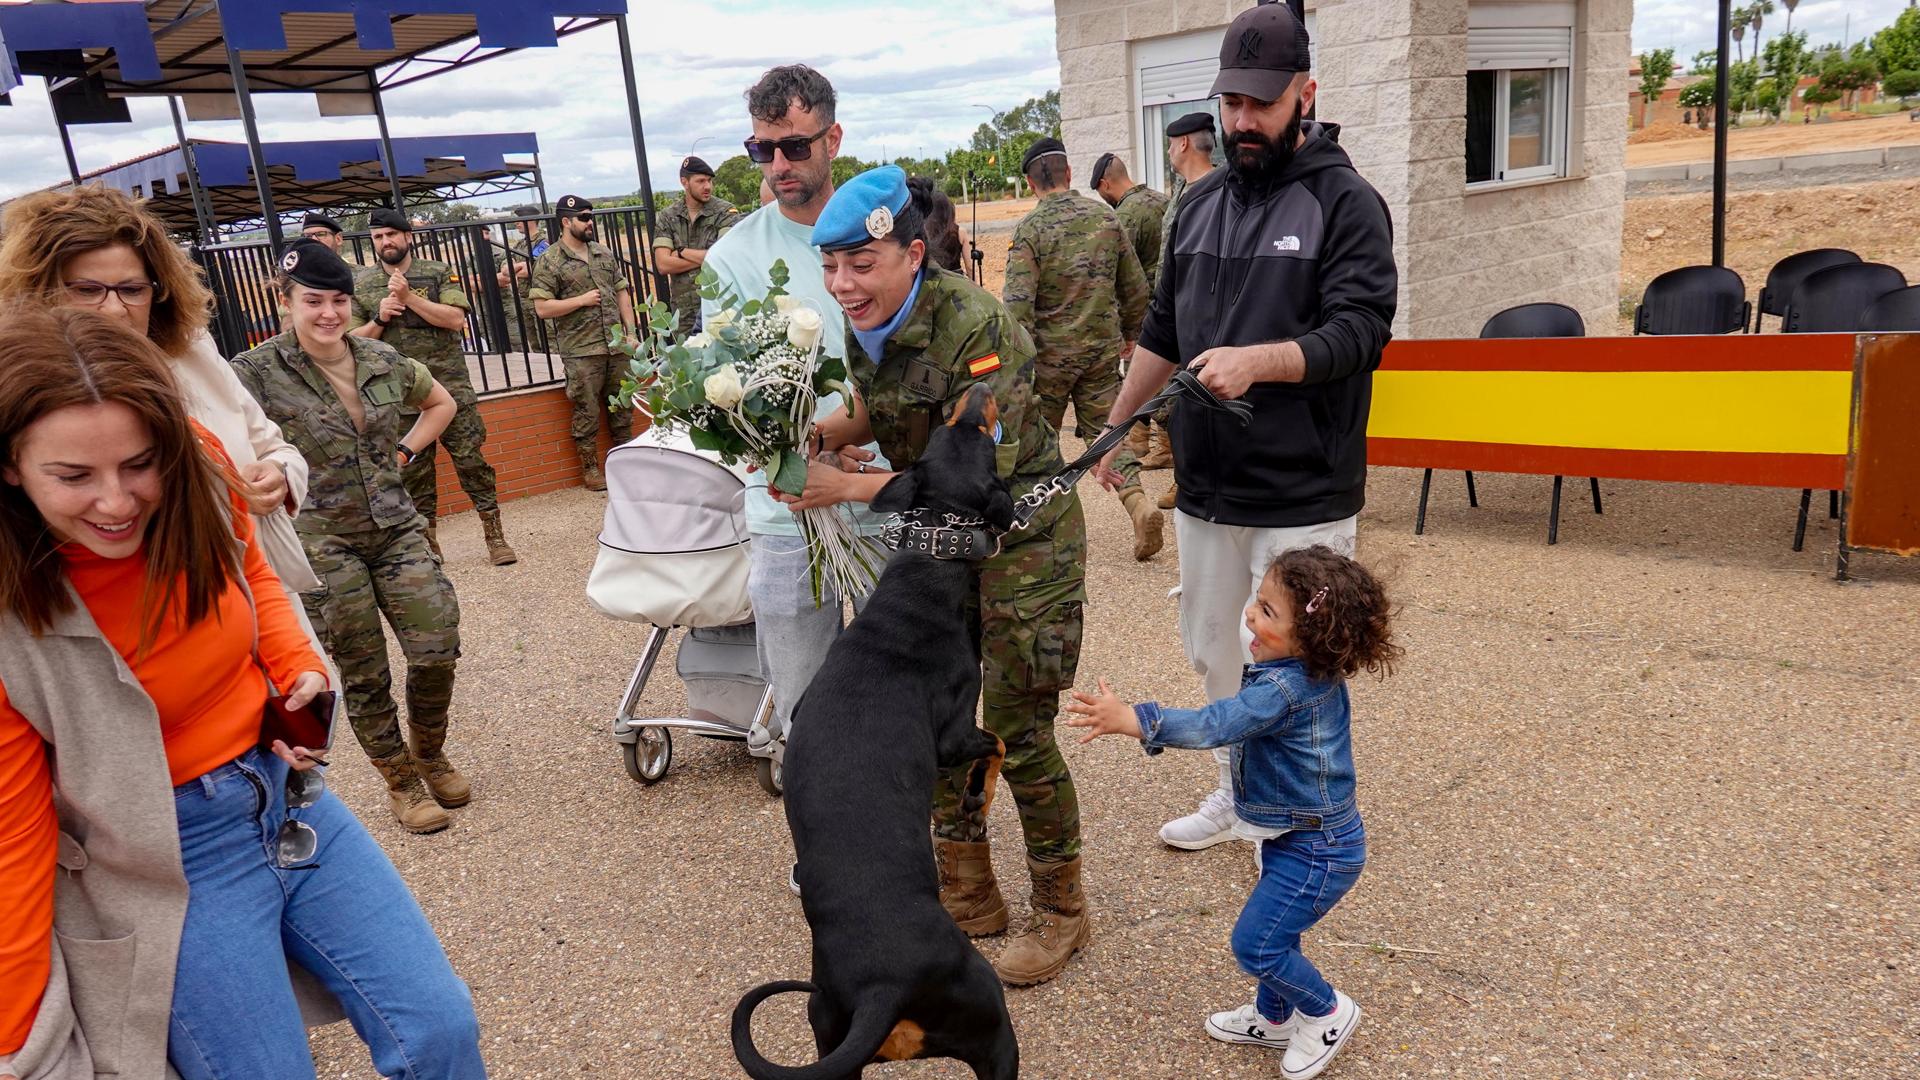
(693, 166)
(389, 219)
(320, 221)
(1264, 48)
(1190, 123)
(1041, 148)
(313, 264)
(570, 205)
(1100, 165)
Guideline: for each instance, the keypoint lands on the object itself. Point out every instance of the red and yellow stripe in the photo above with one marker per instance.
(983, 366)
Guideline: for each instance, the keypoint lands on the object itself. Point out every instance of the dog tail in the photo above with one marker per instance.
(872, 1023)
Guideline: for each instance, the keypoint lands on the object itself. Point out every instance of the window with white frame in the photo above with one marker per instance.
(1172, 77)
(1519, 90)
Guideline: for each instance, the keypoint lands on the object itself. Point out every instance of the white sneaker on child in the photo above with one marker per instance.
(1211, 824)
(1246, 1025)
(1316, 1039)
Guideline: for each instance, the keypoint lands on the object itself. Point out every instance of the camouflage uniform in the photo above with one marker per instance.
(1166, 246)
(677, 230)
(444, 354)
(514, 302)
(1074, 282)
(367, 544)
(594, 370)
(1031, 594)
(1141, 212)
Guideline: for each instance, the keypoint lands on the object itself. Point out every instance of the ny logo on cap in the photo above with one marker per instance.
(1250, 47)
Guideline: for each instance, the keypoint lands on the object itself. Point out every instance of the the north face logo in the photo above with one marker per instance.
(1250, 47)
(1287, 243)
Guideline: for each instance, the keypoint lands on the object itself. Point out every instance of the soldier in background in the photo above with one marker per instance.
(418, 307)
(578, 284)
(526, 245)
(1074, 282)
(685, 230)
(1142, 212)
(322, 230)
(1190, 153)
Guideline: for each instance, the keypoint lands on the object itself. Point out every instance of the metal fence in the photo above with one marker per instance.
(507, 347)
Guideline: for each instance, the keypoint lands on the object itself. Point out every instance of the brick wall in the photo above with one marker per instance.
(528, 445)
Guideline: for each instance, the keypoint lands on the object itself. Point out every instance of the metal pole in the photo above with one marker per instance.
(640, 155)
(66, 143)
(202, 215)
(540, 184)
(256, 157)
(1720, 137)
(386, 143)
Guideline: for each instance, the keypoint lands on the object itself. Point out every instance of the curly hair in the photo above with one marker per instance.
(1351, 628)
(45, 229)
(784, 87)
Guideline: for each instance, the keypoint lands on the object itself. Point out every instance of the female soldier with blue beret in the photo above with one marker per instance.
(920, 337)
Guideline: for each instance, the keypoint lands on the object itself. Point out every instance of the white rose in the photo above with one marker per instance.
(804, 328)
(786, 303)
(723, 387)
(698, 341)
(720, 320)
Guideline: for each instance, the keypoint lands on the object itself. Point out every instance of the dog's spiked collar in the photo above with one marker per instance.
(943, 536)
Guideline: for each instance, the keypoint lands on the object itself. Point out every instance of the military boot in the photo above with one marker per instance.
(498, 550)
(412, 807)
(1149, 525)
(1159, 453)
(967, 888)
(590, 466)
(1171, 498)
(1056, 930)
(1137, 438)
(429, 695)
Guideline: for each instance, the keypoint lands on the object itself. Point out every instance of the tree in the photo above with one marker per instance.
(1755, 11)
(737, 180)
(1769, 98)
(1698, 97)
(1901, 84)
(1739, 31)
(1704, 62)
(1786, 56)
(1036, 116)
(1656, 68)
(1848, 76)
(1790, 5)
(1820, 95)
(1897, 48)
(1741, 79)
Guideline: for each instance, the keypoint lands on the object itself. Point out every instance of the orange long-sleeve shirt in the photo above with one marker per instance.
(209, 694)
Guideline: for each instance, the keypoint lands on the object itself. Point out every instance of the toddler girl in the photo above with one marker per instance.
(1317, 619)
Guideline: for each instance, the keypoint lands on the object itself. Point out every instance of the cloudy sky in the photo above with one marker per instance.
(911, 77)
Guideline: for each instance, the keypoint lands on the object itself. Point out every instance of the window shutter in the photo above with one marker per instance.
(1189, 80)
(1519, 47)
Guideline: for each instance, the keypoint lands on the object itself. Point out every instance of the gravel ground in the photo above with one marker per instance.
(1640, 805)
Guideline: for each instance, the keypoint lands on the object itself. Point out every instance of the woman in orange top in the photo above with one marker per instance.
(137, 613)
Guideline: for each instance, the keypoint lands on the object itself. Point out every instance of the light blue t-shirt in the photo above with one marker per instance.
(741, 260)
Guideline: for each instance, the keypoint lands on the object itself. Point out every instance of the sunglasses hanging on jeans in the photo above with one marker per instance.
(793, 147)
(297, 842)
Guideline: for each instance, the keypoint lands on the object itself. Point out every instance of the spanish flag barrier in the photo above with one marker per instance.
(1820, 411)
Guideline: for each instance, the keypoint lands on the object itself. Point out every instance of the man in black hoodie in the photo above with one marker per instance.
(1277, 286)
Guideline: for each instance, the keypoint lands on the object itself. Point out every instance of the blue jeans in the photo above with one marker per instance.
(349, 920)
(791, 634)
(1302, 875)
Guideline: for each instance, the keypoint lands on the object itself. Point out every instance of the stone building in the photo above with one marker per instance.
(1492, 128)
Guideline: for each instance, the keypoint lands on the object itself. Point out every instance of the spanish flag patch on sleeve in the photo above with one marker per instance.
(985, 365)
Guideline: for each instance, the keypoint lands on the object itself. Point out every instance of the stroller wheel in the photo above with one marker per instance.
(648, 755)
(768, 772)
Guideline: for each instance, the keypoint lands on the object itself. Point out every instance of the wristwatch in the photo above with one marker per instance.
(409, 451)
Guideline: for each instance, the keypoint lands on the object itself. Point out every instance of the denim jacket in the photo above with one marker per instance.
(1292, 750)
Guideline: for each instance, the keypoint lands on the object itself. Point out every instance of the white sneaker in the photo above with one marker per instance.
(1211, 824)
(793, 880)
(1317, 1038)
(1246, 1025)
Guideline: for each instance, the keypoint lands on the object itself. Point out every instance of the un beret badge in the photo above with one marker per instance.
(289, 261)
(880, 223)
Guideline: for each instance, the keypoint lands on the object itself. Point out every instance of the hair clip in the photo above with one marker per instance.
(1313, 605)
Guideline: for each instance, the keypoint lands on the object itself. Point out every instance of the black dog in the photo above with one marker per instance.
(889, 714)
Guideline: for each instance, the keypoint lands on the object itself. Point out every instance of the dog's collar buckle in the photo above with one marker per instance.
(948, 536)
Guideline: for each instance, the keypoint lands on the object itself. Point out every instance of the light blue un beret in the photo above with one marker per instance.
(862, 209)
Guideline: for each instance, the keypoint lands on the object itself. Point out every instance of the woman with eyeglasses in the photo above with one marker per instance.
(164, 883)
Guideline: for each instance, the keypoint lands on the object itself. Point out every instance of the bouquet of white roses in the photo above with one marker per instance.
(747, 387)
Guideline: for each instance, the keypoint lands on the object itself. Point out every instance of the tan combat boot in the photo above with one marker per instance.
(1171, 498)
(967, 888)
(412, 807)
(1057, 929)
(590, 466)
(429, 697)
(1149, 525)
(498, 550)
(1137, 440)
(1159, 453)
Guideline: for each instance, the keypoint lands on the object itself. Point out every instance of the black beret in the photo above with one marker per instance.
(1100, 165)
(320, 221)
(693, 166)
(571, 204)
(314, 265)
(389, 219)
(526, 211)
(1041, 148)
(1190, 123)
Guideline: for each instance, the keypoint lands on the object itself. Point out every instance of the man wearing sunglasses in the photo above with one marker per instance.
(795, 138)
(578, 283)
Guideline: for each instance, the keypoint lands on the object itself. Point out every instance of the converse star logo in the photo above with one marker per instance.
(1287, 243)
(1254, 1030)
(1331, 1037)
(1250, 47)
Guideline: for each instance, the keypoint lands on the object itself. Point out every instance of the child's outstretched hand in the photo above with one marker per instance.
(1103, 713)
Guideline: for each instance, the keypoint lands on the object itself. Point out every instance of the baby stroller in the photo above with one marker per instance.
(673, 554)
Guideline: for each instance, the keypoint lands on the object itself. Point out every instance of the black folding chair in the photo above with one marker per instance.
(1542, 320)
(1895, 312)
(1694, 300)
(1788, 273)
(1834, 301)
